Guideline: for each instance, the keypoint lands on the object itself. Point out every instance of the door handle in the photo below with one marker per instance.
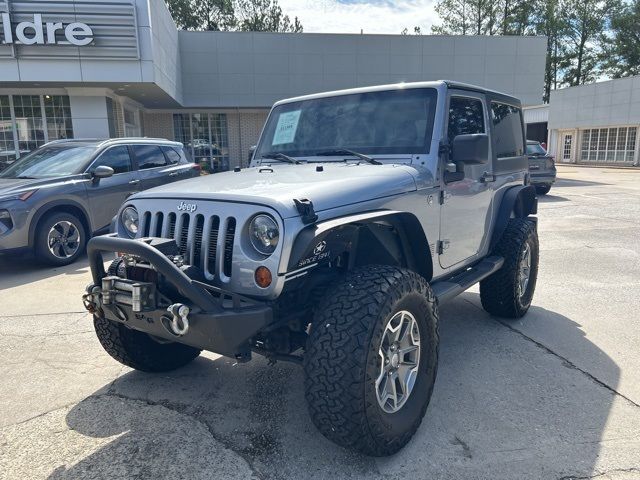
(134, 182)
(174, 174)
(487, 177)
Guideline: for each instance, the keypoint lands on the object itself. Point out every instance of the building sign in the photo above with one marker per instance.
(76, 29)
(37, 32)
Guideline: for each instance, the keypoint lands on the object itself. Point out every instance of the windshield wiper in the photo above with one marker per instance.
(25, 177)
(344, 151)
(282, 157)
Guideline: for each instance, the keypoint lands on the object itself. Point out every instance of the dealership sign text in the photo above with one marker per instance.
(39, 33)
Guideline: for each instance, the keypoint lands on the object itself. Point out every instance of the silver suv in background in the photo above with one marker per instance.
(56, 197)
(542, 167)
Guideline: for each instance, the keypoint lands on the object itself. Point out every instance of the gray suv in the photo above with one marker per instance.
(542, 167)
(362, 212)
(55, 198)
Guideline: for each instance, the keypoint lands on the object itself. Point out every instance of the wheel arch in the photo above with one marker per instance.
(59, 206)
(382, 237)
(517, 202)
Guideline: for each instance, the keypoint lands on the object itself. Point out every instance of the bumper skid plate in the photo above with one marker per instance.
(211, 319)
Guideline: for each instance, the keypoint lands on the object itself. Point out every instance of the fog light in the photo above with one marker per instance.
(263, 277)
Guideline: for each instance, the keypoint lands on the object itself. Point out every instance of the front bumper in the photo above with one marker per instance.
(220, 321)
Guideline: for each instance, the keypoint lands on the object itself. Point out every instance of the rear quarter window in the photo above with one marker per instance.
(508, 137)
(173, 157)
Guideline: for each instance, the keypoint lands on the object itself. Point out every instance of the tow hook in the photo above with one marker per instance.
(179, 322)
(92, 300)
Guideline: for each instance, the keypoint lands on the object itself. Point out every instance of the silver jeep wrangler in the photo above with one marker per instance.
(362, 211)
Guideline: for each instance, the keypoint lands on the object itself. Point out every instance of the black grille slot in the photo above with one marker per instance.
(197, 241)
(184, 233)
(172, 225)
(228, 246)
(213, 245)
(159, 220)
(146, 224)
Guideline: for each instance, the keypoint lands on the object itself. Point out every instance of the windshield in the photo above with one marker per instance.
(535, 149)
(51, 161)
(386, 122)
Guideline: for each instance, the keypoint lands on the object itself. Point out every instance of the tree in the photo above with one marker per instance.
(246, 15)
(621, 46)
(202, 14)
(264, 16)
(456, 17)
(586, 21)
(548, 22)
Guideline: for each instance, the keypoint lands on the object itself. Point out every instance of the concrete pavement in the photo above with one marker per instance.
(554, 395)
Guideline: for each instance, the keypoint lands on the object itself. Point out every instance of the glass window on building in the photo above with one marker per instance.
(7, 145)
(205, 137)
(29, 121)
(58, 114)
(608, 145)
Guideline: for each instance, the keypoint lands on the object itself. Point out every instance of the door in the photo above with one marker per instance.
(566, 147)
(179, 167)
(465, 211)
(107, 194)
(153, 166)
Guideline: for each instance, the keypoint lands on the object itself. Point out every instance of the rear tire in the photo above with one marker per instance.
(350, 399)
(507, 293)
(138, 350)
(60, 239)
(542, 189)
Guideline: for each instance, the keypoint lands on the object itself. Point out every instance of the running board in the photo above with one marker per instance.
(452, 287)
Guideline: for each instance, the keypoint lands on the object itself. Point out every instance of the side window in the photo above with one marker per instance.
(149, 156)
(465, 116)
(117, 158)
(507, 130)
(172, 156)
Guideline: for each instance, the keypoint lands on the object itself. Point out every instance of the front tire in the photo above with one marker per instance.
(60, 239)
(368, 387)
(508, 292)
(138, 350)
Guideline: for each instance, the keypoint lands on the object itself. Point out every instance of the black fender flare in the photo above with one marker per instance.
(56, 204)
(322, 242)
(517, 202)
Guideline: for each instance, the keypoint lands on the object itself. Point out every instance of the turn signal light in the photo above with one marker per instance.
(263, 277)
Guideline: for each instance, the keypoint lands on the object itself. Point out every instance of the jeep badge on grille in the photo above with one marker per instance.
(187, 207)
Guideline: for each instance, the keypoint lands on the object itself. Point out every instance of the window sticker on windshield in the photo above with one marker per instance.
(286, 127)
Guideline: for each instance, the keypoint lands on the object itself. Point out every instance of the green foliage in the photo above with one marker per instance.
(245, 15)
(621, 45)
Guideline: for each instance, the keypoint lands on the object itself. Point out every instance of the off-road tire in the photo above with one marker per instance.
(138, 350)
(542, 189)
(499, 292)
(41, 239)
(341, 362)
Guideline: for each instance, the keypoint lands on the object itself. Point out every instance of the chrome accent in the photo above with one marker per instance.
(524, 270)
(63, 239)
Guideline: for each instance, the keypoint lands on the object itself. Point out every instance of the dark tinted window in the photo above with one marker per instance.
(149, 156)
(465, 117)
(172, 156)
(535, 149)
(117, 158)
(507, 130)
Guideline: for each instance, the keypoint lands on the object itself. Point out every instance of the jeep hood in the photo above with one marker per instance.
(276, 186)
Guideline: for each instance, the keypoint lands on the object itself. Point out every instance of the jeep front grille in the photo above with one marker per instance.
(199, 238)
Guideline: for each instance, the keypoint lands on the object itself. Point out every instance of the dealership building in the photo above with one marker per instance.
(595, 124)
(114, 68)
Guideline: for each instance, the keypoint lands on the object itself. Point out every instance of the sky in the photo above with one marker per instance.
(372, 16)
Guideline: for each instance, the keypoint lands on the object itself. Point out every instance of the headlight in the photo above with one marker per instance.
(23, 196)
(264, 234)
(129, 218)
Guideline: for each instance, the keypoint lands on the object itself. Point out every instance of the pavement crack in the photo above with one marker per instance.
(600, 474)
(565, 361)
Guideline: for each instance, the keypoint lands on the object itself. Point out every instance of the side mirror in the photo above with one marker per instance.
(472, 149)
(102, 172)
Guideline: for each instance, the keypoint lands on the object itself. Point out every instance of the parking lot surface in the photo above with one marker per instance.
(555, 395)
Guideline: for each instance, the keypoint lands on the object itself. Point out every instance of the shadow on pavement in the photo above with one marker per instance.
(16, 271)
(503, 407)
(570, 182)
(550, 198)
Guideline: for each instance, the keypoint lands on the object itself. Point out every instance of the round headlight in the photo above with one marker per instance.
(129, 217)
(264, 234)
